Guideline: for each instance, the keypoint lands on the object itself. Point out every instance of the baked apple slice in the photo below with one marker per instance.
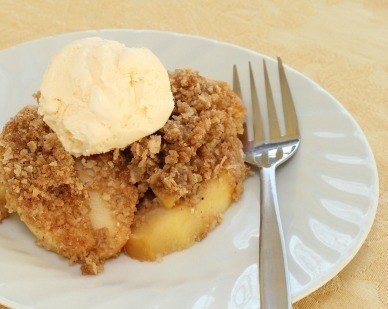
(163, 229)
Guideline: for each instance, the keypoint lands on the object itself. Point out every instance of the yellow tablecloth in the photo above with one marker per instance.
(343, 45)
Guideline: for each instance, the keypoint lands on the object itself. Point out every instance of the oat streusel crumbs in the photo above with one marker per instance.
(198, 141)
(51, 195)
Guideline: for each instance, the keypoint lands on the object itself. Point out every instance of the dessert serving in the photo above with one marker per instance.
(118, 153)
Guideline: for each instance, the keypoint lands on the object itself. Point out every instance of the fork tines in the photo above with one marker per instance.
(290, 119)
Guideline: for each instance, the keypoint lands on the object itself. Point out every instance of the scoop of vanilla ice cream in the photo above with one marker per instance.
(98, 95)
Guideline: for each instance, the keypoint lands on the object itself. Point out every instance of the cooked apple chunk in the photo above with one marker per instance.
(168, 200)
(161, 230)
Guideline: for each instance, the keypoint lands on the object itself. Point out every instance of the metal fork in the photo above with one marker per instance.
(267, 155)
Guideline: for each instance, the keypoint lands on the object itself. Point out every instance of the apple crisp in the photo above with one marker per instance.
(190, 171)
(45, 187)
(86, 208)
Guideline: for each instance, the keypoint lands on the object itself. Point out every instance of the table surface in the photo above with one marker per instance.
(342, 45)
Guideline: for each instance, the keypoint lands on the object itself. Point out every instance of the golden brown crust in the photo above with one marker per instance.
(198, 141)
(44, 188)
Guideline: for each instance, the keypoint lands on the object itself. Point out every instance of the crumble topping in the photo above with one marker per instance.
(198, 141)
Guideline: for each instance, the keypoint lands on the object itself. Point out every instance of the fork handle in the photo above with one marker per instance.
(273, 271)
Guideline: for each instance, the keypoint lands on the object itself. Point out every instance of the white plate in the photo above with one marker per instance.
(327, 193)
